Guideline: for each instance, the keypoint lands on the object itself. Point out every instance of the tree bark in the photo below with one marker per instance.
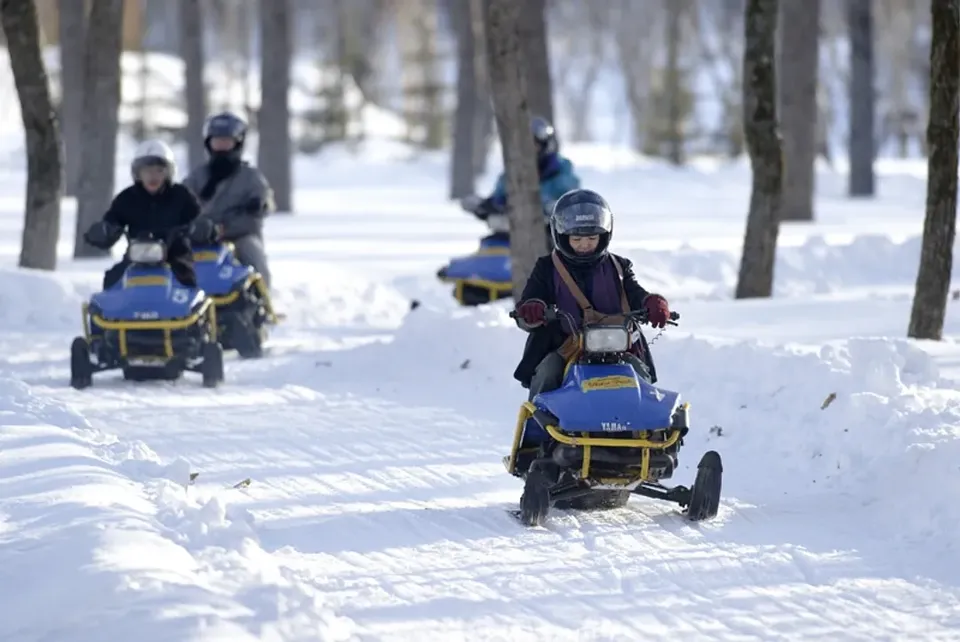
(72, 21)
(532, 28)
(190, 16)
(862, 98)
(674, 116)
(799, 61)
(483, 125)
(508, 84)
(943, 129)
(41, 224)
(462, 177)
(101, 110)
(764, 146)
(276, 48)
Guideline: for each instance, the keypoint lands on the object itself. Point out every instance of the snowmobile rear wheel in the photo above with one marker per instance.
(81, 369)
(705, 494)
(535, 501)
(212, 366)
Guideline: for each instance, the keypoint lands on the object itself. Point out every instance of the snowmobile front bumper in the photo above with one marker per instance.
(150, 340)
(633, 464)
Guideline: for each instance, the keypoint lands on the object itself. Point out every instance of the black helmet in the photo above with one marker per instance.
(581, 212)
(544, 136)
(227, 125)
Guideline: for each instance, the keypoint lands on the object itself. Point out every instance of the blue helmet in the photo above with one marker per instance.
(581, 212)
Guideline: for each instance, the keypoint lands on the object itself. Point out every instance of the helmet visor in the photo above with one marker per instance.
(583, 219)
(223, 127)
(151, 169)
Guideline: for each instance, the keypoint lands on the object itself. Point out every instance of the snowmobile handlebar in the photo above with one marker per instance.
(553, 313)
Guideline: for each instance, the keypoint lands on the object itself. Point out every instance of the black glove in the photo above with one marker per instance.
(203, 231)
(254, 205)
(103, 235)
(486, 207)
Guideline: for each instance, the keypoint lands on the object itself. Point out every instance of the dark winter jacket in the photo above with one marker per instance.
(137, 211)
(600, 284)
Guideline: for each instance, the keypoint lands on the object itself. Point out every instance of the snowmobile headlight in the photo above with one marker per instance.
(146, 252)
(606, 339)
(498, 223)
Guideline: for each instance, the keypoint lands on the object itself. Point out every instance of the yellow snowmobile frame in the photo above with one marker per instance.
(641, 439)
(207, 308)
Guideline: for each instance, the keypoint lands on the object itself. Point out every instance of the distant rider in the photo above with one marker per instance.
(157, 205)
(233, 194)
(556, 173)
(580, 270)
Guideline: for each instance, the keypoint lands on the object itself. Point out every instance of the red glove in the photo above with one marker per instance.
(658, 312)
(532, 312)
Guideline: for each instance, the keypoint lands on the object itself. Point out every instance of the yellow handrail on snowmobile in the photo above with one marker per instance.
(495, 289)
(145, 281)
(527, 410)
(257, 281)
(166, 326)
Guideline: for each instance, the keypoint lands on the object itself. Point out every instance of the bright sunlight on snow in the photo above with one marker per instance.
(350, 486)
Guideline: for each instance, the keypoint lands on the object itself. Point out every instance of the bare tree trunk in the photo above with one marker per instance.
(72, 27)
(142, 126)
(462, 175)
(101, 106)
(862, 98)
(534, 43)
(675, 10)
(508, 84)
(943, 129)
(799, 60)
(764, 145)
(276, 49)
(483, 125)
(244, 55)
(41, 223)
(191, 51)
(485, 133)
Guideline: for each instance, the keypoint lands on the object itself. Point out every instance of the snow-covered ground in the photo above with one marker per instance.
(349, 486)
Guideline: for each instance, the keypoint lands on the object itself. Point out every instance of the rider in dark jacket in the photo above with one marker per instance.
(581, 228)
(154, 204)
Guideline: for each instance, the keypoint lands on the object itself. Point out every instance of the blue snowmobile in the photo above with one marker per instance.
(484, 276)
(243, 306)
(606, 434)
(148, 325)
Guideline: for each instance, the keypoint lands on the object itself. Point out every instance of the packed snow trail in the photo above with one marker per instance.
(376, 490)
(372, 436)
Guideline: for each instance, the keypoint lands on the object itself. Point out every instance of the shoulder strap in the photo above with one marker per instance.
(624, 302)
(571, 284)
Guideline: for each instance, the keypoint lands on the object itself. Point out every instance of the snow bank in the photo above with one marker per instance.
(815, 267)
(877, 263)
(867, 420)
(41, 301)
(124, 547)
(322, 296)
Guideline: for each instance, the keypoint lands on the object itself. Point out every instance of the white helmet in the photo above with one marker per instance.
(153, 152)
